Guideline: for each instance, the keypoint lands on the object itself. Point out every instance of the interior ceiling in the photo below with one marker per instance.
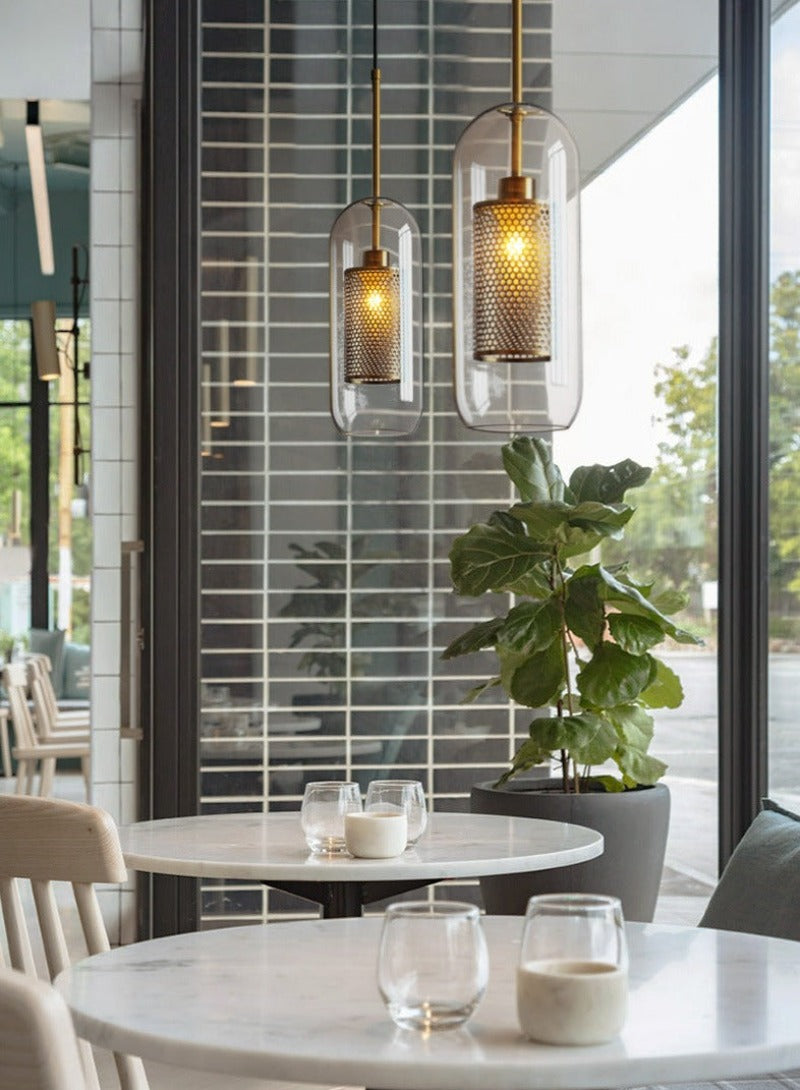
(620, 66)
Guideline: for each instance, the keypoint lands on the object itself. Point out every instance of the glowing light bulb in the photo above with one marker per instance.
(374, 300)
(515, 246)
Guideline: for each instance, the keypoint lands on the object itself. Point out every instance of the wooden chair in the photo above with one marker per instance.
(47, 841)
(39, 666)
(29, 751)
(38, 1047)
(45, 721)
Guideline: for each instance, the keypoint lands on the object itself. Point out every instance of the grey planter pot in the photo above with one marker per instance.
(634, 825)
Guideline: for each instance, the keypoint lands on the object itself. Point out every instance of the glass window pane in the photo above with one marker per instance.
(70, 533)
(784, 439)
(650, 271)
(15, 553)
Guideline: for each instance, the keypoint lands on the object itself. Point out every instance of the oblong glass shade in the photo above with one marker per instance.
(376, 320)
(516, 274)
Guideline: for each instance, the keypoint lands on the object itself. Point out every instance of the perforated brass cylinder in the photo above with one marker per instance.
(511, 287)
(372, 324)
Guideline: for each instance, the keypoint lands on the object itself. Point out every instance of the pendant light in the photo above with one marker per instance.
(376, 304)
(516, 274)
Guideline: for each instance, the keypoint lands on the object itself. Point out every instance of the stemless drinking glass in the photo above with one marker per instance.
(433, 964)
(391, 795)
(572, 980)
(325, 803)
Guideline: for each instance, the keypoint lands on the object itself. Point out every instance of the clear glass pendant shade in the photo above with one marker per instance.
(376, 319)
(516, 272)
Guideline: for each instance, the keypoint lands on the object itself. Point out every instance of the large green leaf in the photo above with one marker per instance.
(605, 518)
(633, 725)
(533, 583)
(587, 737)
(491, 558)
(639, 767)
(529, 754)
(478, 690)
(531, 626)
(529, 464)
(613, 676)
(607, 484)
(534, 680)
(628, 599)
(474, 639)
(665, 691)
(579, 528)
(543, 518)
(670, 601)
(634, 634)
(591, 739)
(584, 610)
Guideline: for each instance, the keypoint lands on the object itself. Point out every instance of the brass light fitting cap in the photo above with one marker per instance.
(376, 259)
(519, 187)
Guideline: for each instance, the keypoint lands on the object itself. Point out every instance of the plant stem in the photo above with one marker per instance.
(556, 572)
(566, 635)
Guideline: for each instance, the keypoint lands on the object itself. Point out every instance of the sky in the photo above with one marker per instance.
(650, 259)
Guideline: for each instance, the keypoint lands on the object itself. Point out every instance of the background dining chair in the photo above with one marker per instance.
(39, 668)
(38, 1047)
(45, 721)
(29, 751)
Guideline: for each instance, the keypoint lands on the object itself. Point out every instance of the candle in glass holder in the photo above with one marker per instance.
(376, 835)
(572, 979)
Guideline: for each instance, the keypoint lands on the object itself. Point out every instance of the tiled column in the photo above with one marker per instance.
(116, 94)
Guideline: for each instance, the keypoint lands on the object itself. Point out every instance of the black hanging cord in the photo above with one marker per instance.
(374, 33)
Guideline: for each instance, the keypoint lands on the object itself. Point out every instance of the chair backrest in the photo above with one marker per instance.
(51, 840)
(38, 1047)
(45, 705)
(759, 889)
(15, 682)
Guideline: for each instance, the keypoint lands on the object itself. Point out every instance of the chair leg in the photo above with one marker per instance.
(22, 778)
(5, 748)
(86, 769)
(48, 774)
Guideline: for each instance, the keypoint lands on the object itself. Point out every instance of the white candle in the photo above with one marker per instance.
(564, 1002)
(376, 835)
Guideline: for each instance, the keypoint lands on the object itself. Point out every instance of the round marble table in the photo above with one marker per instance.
(270, 848)
(300, 1002)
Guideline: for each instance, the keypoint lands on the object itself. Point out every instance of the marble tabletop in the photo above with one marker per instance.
(271, 847)
(299, 1001)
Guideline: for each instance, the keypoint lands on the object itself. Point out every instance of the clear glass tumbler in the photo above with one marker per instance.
(389, 796)
(325, 803)
(433, 964)
(572, 980)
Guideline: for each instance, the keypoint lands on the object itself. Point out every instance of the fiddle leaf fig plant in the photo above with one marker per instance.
(577, 644)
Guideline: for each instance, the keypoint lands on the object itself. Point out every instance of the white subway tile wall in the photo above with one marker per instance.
(326, 595)
(116, 90)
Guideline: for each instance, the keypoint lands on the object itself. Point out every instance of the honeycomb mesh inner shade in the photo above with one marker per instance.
(372, 325)
(511, 292)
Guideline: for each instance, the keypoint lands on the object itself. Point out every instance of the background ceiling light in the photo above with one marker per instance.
(41, 201)
(43, 314)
